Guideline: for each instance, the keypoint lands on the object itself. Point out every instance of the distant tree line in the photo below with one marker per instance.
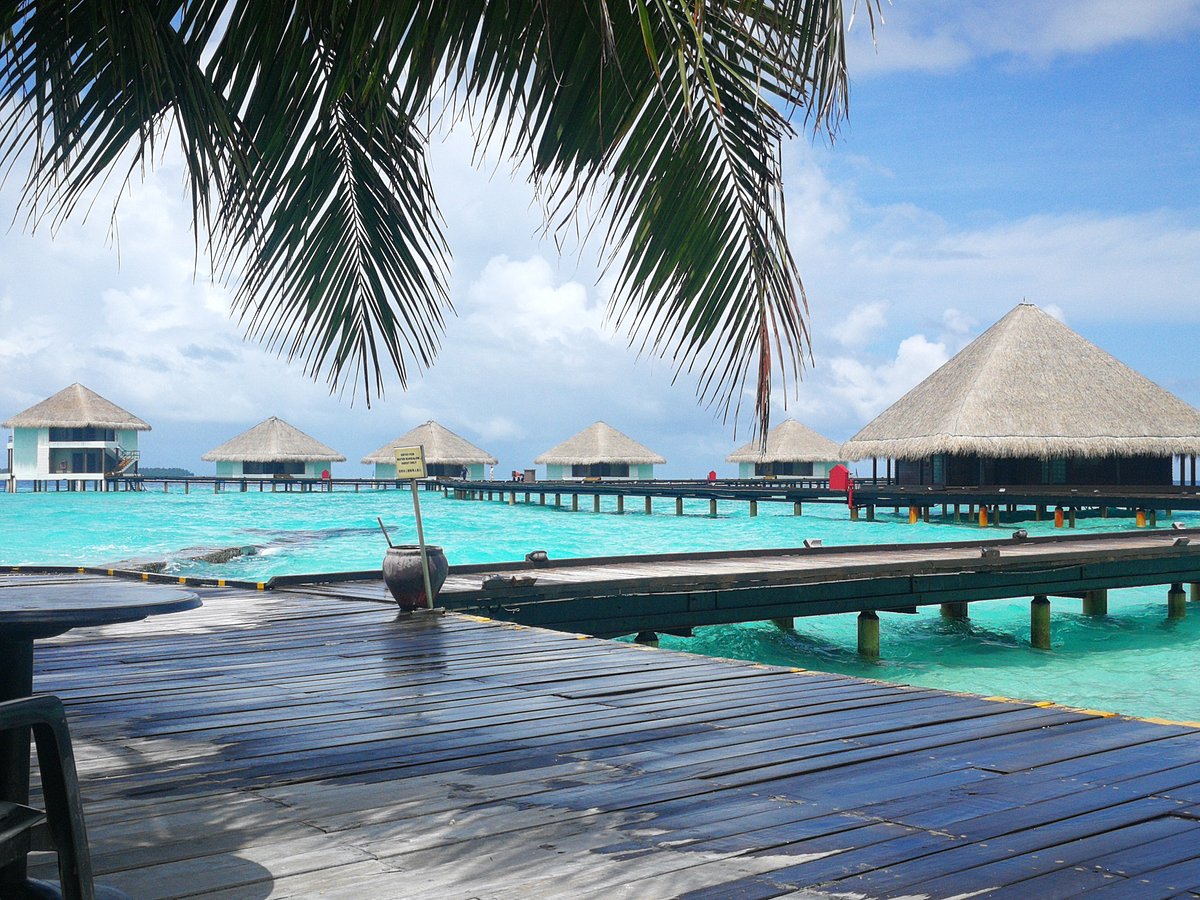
(150, 472)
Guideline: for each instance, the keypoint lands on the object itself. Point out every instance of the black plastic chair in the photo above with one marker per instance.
(44, 714)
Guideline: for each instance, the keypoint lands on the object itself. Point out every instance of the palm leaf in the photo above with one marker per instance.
(299, 124)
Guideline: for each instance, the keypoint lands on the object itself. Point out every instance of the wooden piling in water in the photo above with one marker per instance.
(1039, 622)
(868, 634)
(785, 623)
(595, 503)
(1095, 603)
(753, 508)
(797, 508)
(679, 506)
(620, 504)
(957, 610)
(1176, 602)
(649, 506)
(712, 507)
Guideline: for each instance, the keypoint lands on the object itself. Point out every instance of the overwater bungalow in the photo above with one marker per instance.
(1030, 402)
(792, 449)
(75, 436)
(599, 451)
(446, 453)
(273, 447)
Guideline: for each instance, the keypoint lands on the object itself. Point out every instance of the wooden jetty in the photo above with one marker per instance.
(233, 484)
(675, 592)
(869, 494)
(294, 744)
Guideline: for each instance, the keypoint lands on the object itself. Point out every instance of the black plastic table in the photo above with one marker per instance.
(31, 610)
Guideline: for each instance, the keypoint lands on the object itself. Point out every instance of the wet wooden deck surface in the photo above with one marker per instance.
(287, 744)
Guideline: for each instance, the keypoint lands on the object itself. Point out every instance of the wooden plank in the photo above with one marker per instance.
(305, 744)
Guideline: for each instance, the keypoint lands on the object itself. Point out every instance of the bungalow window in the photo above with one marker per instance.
(601, 470)
(794, 469)
(78, 435)
(273, 468)
(444, 470)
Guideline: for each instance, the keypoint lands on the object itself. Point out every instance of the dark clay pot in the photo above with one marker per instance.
(402, 574)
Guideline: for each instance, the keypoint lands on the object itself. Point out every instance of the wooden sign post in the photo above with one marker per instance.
(410, 464)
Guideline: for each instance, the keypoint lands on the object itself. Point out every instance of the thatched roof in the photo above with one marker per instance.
(273, 441)
(789, 441)
(599, 443)
(442, 447)
(1030, 386)
(76, 407)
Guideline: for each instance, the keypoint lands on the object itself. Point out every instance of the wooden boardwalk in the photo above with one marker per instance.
(624, 595)
(868, 493)
(286, 744)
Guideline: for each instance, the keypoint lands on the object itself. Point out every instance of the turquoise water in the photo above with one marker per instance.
(1134, 661)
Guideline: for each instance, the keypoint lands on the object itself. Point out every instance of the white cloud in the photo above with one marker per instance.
(1056, 311)
(869, 389)
(942, 36)
(958, 322)
(861, 325)
(521, 301)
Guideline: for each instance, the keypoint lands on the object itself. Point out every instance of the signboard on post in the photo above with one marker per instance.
(410, 464)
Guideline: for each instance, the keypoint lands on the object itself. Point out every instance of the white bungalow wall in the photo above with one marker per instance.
(387, 471)
(820, 470)
(636, 473)
(32, 454)
(312, 469)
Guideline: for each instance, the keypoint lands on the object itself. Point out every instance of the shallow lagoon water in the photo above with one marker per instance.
(1134, 661)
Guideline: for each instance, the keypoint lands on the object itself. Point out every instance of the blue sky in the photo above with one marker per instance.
(994, 152)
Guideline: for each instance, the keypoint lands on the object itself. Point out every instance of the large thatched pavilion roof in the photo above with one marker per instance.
(1029, 386)
(599, 443)
(77, 407)
(273, 441)
(442, 447)
(789, 441)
